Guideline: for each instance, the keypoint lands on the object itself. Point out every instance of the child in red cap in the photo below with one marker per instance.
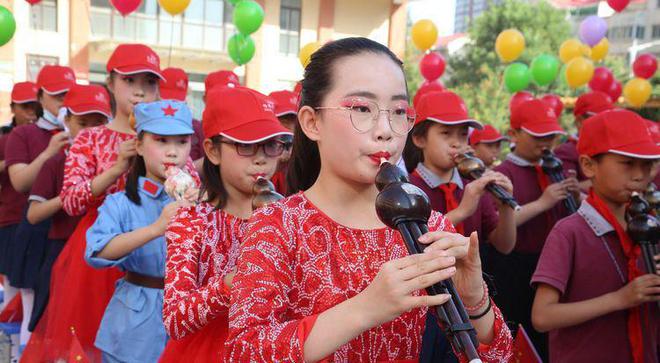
(26, 109)
(286, 110)
(592, 294)
(534, 128)
(487, 144)
(97, 164)
(320, 277)
(440, 133)
(242, 144)
(587, 105)
(174, 86)
(85, 106)
(27, 148)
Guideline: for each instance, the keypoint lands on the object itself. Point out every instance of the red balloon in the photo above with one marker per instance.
(432, 66)
(601, 80)
(645, 66)
(518, 98)
(615, 90)
(618, 5)
(33, 2)
(125, 7)
(555, 102)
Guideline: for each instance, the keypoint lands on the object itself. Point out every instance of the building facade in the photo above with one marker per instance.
(83, 34)
(468, 10)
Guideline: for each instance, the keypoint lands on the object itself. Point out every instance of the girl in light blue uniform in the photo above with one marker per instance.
(128, 234)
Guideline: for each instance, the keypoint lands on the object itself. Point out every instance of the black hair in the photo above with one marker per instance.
(138, 168)
(212, 184)
(305, 163)
(412, 155)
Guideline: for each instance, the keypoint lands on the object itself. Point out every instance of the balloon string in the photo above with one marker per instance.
(169, 55)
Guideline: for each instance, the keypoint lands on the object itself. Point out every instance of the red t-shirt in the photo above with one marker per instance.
(12, 203)
(483, 221)
(576, 262)
(48, 186)
(197, 141)
(526, 189)
(568, 154)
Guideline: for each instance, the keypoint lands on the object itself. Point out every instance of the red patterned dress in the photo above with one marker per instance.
(202, 248)
(79, 293)
(295, 263)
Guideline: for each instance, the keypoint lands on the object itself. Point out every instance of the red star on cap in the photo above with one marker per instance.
(169, 111)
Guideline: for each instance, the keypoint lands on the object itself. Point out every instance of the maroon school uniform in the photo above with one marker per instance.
(567, 153)
(48, 185)
(583, 259)
(483, 221)
(12, 202)
(197, 141)
(26, 142)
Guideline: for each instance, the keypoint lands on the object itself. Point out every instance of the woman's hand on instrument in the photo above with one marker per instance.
(468, 279)
(390, 294)
(455, 244)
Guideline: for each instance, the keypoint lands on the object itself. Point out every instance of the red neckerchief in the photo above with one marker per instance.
(450, 200)
(541, 177)
(632, 252)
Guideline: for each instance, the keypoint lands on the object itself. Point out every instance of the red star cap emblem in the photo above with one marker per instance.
(169, 110)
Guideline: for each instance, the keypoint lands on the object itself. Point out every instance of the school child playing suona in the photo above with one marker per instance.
(243, 143)
(593, 295)
(487, 144)
(85, 106)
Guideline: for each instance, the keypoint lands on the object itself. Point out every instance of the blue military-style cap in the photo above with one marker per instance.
(166, 117)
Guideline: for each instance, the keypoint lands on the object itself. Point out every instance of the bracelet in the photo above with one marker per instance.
(484, 300)
(479, 316)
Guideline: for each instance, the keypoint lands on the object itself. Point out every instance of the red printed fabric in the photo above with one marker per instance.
(202, 248)
(295, 263)
(93, 152)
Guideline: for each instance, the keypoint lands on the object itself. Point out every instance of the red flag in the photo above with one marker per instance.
(523, 349)
(76, 352)
(13, 312)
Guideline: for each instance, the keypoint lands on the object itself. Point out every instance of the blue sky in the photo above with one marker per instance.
(441, 12)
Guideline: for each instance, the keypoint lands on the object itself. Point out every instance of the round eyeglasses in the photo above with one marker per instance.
(364, 115)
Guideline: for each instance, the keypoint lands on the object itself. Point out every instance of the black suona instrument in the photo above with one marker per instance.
(644, 230)
(551, 166)
(406, 208)
(264, 193)
(471, 167)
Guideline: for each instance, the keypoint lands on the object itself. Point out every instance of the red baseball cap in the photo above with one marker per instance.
(221, 78)
(240, 114)
(427, 87)
(444, 107)
(286, 102)
(593, 102)
(487, 135)
(620, 132)
(54, 79)
(83, 100)
(134, 58)
(24, 92)
(654, 128)
(174, 85)
(536, 117)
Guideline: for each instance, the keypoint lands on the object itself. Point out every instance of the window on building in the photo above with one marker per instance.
(290, 26)
(640, 32)
(206, 24)
(43, 15)
(655, 33)
(36, 62)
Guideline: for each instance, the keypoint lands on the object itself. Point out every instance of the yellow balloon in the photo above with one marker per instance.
(424, 34)
(174, 7)
(570, 49)
(637, 91)
(579, 72)
(305, 54)
(599, 51)
(509, 45)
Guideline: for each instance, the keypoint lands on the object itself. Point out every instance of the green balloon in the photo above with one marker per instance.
(516, 77)
(545, 68)
(234, 2)
(248, 16)
(240, 48)
(7, 25)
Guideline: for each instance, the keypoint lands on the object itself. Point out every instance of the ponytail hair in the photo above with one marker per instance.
(305, 163)
(138, 168)
(212, 185)
(412, 155)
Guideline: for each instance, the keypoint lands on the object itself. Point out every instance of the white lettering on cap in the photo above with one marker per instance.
(100, 97)
(151, 59)
(69, 76)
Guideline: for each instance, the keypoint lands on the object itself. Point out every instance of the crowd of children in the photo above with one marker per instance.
(110, 266)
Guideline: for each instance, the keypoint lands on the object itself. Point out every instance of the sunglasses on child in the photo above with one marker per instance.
(271, 147)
